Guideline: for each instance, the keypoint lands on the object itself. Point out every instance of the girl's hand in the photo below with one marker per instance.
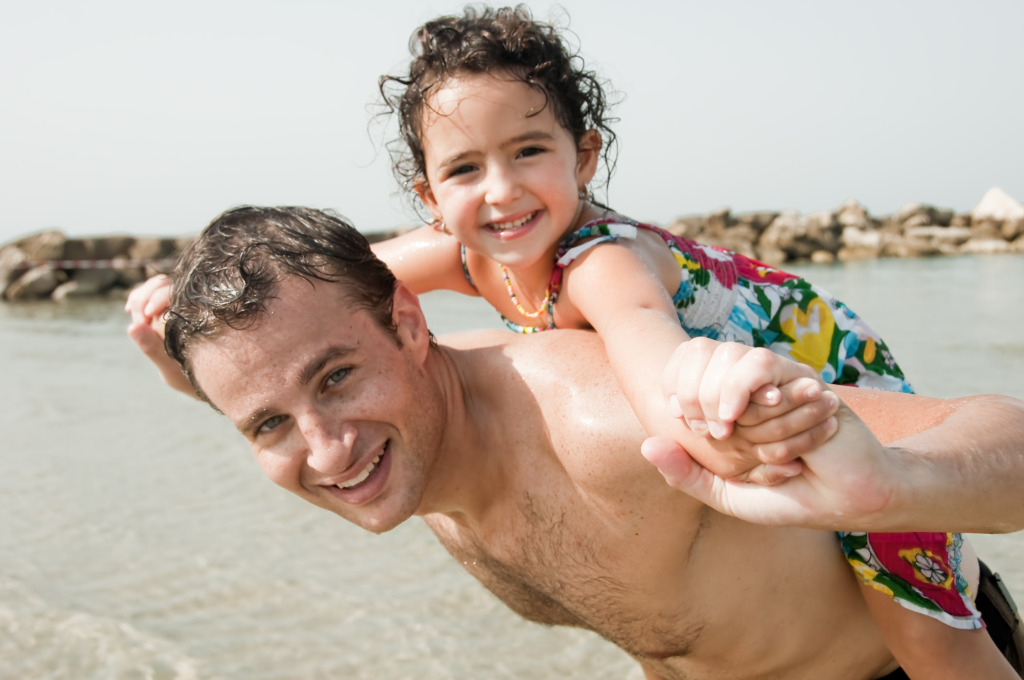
(769, 409)
(147, 306)
(848, 481)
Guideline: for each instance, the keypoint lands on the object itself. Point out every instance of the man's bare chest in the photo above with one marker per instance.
(567, 567)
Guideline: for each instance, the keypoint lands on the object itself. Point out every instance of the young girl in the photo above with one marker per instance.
(501, 135)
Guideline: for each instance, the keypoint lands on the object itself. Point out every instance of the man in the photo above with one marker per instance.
(519, 453)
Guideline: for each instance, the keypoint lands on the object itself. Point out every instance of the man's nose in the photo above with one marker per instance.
(329, 443)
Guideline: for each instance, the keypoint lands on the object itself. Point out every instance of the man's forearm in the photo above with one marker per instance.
(964, 473)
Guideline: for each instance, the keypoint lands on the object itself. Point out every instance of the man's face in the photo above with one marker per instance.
(331, 404)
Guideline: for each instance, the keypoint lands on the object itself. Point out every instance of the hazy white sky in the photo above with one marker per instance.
(150, 118)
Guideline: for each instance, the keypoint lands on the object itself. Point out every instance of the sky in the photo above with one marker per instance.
(150, 118)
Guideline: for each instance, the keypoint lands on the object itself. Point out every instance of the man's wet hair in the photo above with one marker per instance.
(226, 276)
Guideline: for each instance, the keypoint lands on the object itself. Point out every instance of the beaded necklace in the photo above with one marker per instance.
(515, 301)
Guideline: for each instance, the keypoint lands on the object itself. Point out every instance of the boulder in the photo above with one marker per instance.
(853, 214)
(859, 244)
(946, 239)
(35, 284)
(93, 281)
(1013, 229)
(153, 249)
(998, 206)
(758, 221)
(42, 247)
(110, 247)
(12, 264)
(986, 246)
(797, 236)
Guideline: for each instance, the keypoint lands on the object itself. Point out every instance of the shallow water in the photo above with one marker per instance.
(139, 540)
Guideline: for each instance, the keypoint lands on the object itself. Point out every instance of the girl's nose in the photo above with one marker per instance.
(502, 186)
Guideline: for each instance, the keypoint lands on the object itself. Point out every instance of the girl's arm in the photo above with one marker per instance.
(617, 289)
(147, 305)
(425, 259)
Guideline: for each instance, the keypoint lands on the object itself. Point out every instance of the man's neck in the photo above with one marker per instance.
(470, 476)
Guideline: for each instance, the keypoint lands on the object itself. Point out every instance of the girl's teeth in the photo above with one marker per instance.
(506, 226)
(362, 475)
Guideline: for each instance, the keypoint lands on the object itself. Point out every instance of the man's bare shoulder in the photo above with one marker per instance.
(577, 353)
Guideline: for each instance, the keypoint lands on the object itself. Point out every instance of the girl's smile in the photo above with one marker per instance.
(501, 172)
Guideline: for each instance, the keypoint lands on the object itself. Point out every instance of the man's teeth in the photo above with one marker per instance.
(505, 226)
(362, 475)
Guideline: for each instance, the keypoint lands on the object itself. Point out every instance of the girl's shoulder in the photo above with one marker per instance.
(605, 229)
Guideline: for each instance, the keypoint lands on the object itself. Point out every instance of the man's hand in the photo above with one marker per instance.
(765, 409)
(844, 482)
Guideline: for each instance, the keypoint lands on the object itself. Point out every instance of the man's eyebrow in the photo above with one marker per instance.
(247, 425)
(317, 363)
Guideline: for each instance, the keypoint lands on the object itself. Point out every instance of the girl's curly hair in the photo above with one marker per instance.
(507, 42)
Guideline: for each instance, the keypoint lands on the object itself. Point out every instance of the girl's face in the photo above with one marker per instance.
(501, 171)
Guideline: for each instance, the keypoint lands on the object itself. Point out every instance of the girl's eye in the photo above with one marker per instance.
(531, 151)
(460, 170)
(337, 376)
(269, 424)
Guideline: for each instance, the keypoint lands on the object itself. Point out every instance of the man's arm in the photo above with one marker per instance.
(950, 465)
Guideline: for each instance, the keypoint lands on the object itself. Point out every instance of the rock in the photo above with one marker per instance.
(822, 257)
(690, 226)
(93, 281)
(79, 249)
(950, 236)
(797, 236)
(153, 249)
(758, 221)
(998, 206)
(917, 220)
(858, 244)
(42, 247)
(910, 211)
(986, 246)
(12, 264)
(986, 229)
(853, 214)
(896, 245)
(35, 284)
(1012, 229)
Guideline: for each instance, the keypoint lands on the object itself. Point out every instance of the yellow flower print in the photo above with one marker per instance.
(812, 332)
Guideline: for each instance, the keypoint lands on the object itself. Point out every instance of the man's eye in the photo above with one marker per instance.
(269, 424)
(337, 376)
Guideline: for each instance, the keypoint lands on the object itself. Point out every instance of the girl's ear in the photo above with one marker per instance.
(588, 152)
(426, 195)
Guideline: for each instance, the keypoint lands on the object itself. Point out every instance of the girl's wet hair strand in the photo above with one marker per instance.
(506, 42)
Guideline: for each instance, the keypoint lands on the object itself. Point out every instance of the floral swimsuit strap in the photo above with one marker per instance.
(603, 230)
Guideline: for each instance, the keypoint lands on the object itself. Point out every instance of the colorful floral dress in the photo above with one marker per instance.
(727, 296)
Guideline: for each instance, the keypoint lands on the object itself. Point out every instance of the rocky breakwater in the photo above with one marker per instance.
(52, 266)
(995, 225)
(49, 265)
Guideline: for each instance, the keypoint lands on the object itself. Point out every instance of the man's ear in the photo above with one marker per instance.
(410, 324)
(426, 194)
(588, 152)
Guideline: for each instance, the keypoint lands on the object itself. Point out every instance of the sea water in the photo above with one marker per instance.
(138, 539)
